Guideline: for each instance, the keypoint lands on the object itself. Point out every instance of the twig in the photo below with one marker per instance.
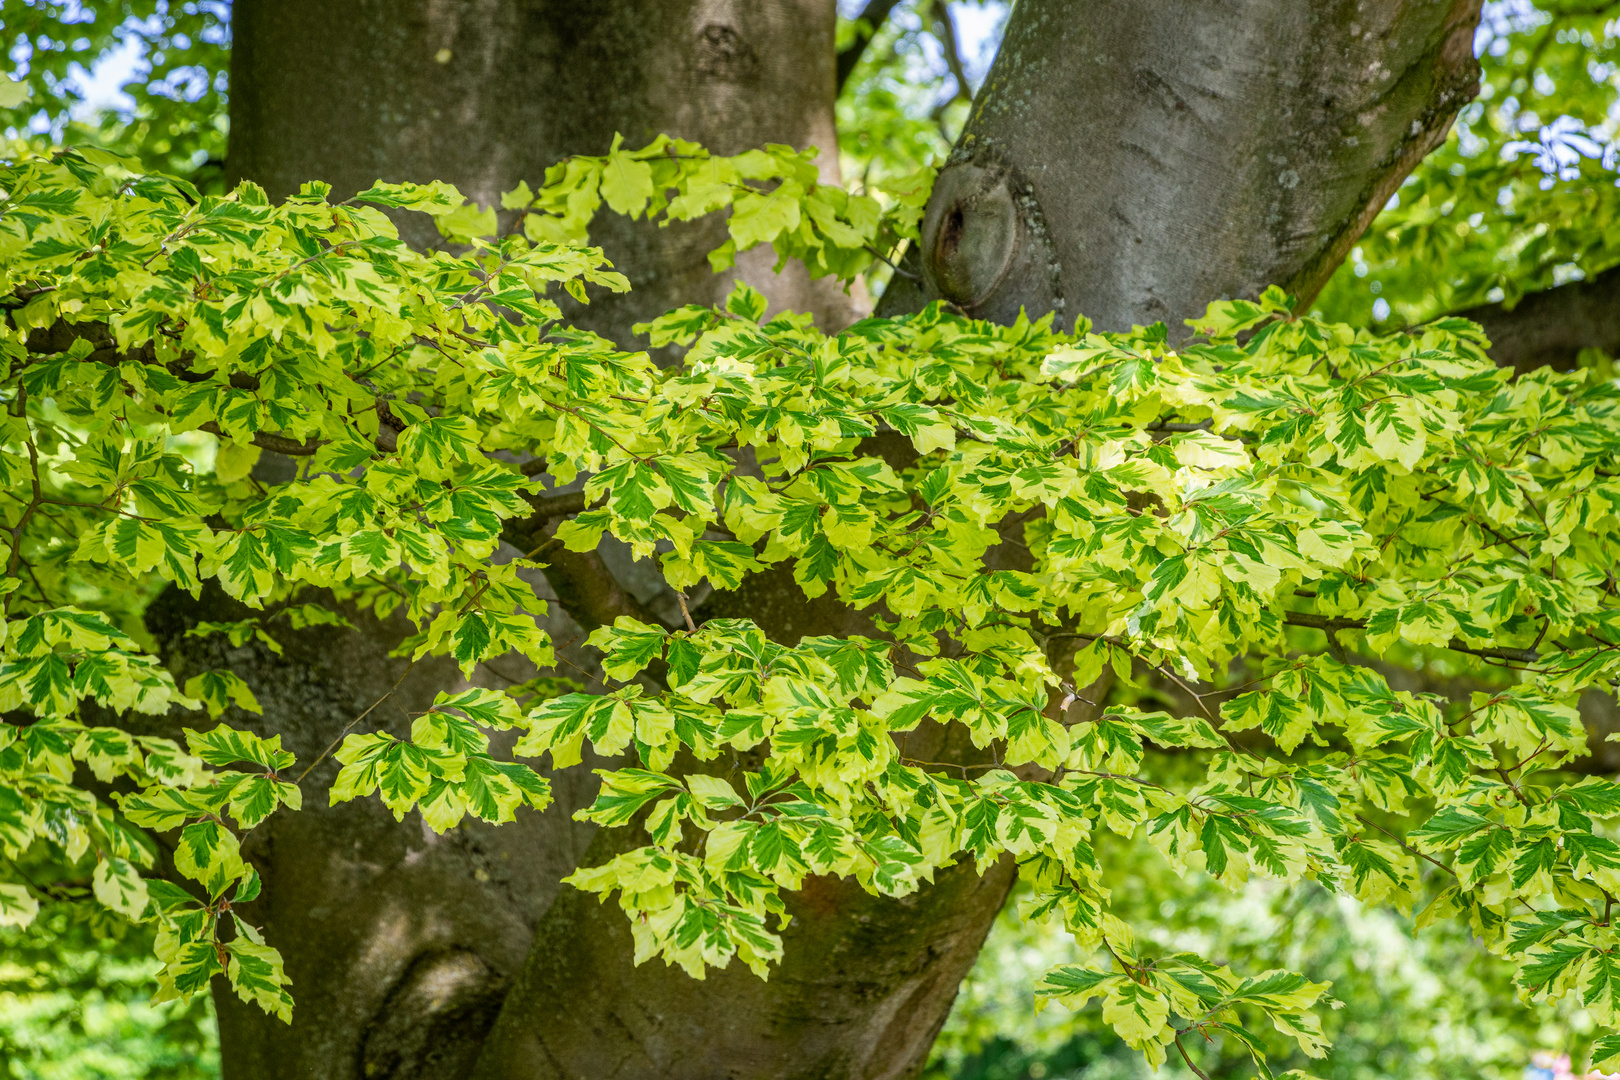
(1201, 1073)
(1405, 845)
(907, 274)
(687, 615)
(1322, 622)
(356, 720)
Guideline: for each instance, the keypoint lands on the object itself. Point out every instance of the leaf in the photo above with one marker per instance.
(713, 792)
(209, 853)
(761, 218)
(1600, 987)
(219, 690)
(624, 792)
(1605, 1052)
(1073, 986)
(120, 887)
(256, 973)
(226, 745)
(436, 445)
(627, 184)
(17, 906)
(629, 646)
(1137, 1013)
(12, 94)
(400, 771)
(1206, 450)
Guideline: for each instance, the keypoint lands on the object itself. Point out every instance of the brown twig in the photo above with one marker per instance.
(1201, 1073)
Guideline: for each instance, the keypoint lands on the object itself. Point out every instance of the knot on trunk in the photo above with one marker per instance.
(725, 55)
(435, 1019)
(985, 245)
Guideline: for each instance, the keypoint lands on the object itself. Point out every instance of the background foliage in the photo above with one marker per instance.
(1525, 192)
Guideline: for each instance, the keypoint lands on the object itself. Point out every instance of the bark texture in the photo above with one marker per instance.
(1551, 327)
(400, 944)
(485, 93)
(1132, 160)
(862, 991)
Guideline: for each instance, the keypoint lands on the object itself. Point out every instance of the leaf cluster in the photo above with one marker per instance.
(1261, 511)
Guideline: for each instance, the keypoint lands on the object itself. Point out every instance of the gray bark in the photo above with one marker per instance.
(399, 943)
(1132, 161)
(1550, 328)
(489, 92)
(1157, 193)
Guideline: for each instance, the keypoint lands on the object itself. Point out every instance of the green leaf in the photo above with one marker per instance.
(209, 853)
(627, 184)
(226, 745)
(713, 792)
(12, 94)
(629, 646)
(17, 905)
(257, 975)
(120, 887)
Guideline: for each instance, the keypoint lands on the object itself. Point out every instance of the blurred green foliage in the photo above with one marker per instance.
(908, 98)
(178, 51)
(1430, 1008)
(74, 996)
(1523, 195)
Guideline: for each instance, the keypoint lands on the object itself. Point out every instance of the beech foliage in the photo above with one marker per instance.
(1261, 508)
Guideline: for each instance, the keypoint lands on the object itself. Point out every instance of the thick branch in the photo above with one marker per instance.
(953, 50)
(547, 507)
(1267, 148)
(1549, 328)
(60, 336)
(279, 444)
(1320, 622)
(581, 581)
(873, 15)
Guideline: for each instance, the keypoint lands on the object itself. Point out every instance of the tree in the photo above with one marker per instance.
(487, 937)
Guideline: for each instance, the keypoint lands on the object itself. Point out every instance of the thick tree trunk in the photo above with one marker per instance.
(399, 943)
(1551, 327)
(863, 989)
(486, 93)
(1131, 160)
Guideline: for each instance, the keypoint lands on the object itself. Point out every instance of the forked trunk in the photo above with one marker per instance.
(1132, 161)
(1128, 159)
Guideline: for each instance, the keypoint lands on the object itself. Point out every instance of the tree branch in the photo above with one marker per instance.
(547, 507)
(279, 444)
(946, 29)
(1321, 622)
(581, 581)
(1549, 328)
(60, 336)
(874, 14)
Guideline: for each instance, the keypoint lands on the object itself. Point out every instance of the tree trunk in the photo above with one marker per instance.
(1132, 161)
(862, 991)
(399, 943)
(1211, 152)
(1550, 328)
(486, 93)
